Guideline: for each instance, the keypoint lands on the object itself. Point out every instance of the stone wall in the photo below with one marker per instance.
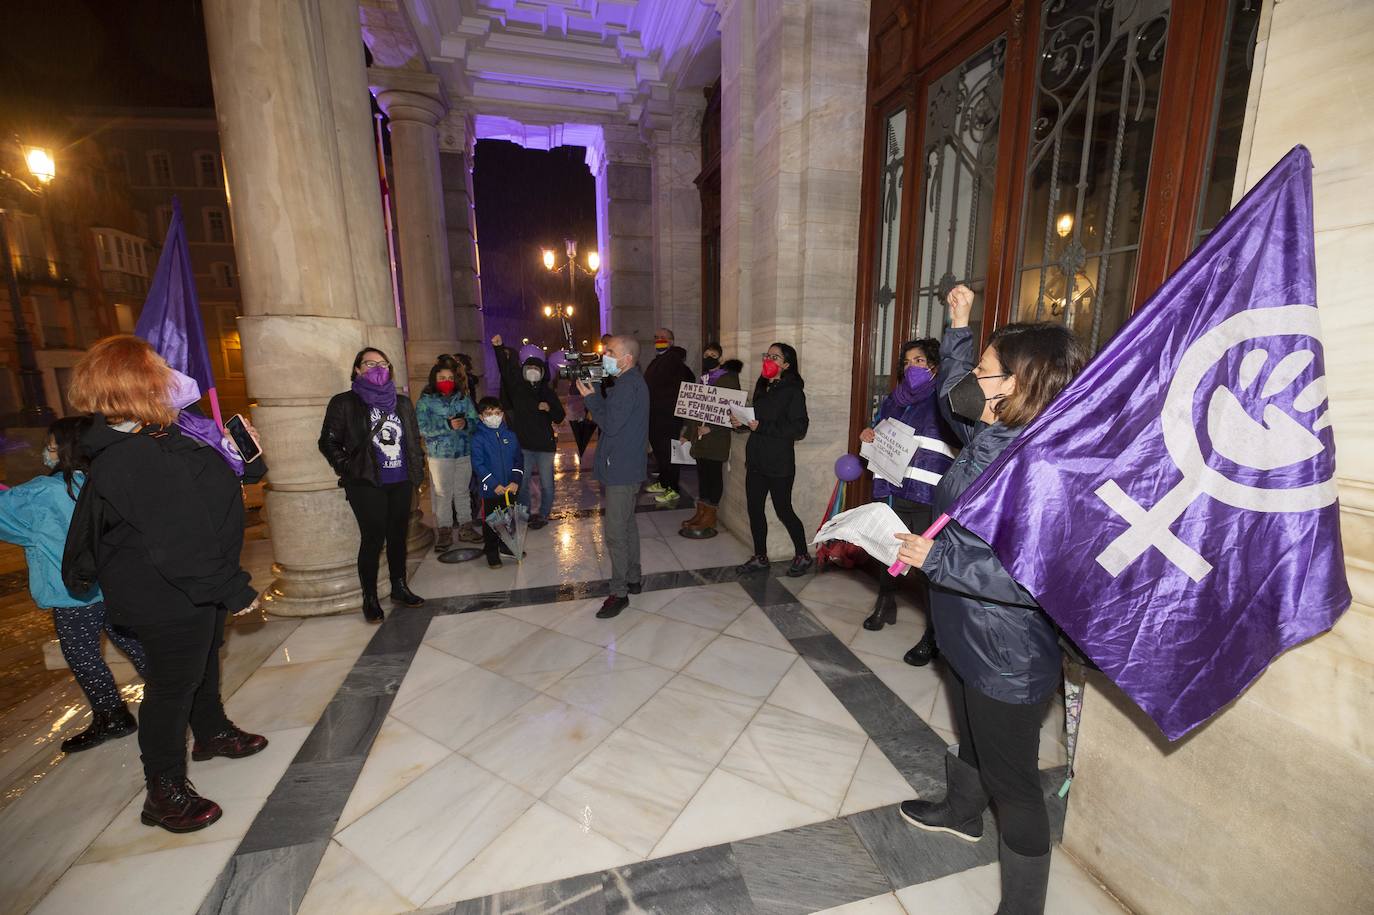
(792, 112)
(1270, 806)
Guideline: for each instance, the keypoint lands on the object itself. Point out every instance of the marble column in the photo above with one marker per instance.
(457, 139)
(675, 151)
(414, 103)
(792, 108)
(301, 325)
(625, 232)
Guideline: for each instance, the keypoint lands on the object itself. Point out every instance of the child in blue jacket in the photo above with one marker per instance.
(496, 465)
(35, 516)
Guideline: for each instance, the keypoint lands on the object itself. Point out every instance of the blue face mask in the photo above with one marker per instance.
(609, 364)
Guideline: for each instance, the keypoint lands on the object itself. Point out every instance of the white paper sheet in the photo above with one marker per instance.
(682, 452)
(891, 451)
(870, 526)
(742, 413)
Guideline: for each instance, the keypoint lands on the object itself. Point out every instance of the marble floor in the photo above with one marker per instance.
(725, 745)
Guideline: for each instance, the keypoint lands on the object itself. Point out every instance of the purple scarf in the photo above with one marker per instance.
(906, 394)
(204, 430)
(382, 396)
(713, 376)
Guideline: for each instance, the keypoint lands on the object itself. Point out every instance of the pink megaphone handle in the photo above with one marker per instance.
(899, 567)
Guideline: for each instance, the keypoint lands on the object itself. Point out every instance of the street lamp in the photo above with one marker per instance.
(35, 411)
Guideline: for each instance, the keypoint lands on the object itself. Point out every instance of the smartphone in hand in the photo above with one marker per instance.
(249, 449)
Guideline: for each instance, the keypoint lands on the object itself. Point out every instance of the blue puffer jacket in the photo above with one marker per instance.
(622, 412)
(442, 440)
(496, 459)
(932, 458)
(36, 516)
(988, 627)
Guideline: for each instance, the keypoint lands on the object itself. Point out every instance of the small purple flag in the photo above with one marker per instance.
(171, 319)
(1174, 510)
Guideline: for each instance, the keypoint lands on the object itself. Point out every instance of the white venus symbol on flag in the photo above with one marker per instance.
(1280, 441)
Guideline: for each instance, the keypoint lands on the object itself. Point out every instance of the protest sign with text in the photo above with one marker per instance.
(707, 403)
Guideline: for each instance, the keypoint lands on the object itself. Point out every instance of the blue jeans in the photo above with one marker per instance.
(540, 463)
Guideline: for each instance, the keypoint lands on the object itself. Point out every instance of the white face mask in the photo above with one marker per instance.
(532, 375)
(492, 420)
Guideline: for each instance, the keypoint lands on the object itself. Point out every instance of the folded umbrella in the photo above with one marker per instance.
(511, 523)
(582, 430)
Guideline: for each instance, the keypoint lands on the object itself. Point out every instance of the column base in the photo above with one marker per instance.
(313, 592)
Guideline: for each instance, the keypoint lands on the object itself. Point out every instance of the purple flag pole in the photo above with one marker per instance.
(1174, 509)
(171, 319)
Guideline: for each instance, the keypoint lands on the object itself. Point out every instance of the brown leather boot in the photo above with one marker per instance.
(705, 527)
(445, 538)
(692, 521)
(173, 804)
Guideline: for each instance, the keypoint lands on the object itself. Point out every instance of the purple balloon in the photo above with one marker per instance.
(557, 360)
(848, 468)
(530, 351)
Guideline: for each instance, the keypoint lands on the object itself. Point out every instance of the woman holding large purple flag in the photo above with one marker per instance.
(1003, 649)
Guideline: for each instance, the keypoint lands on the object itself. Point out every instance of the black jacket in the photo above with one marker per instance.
(989, 628)
(161, 515)
(780, 408)
(532, 426)
(664, 375)
(346, 440)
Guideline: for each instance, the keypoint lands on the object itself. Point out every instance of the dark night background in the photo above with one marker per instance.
(63, 55)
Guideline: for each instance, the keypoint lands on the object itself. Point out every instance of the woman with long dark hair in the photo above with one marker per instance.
(1003, 649)
(36, 516)
(446, 416)
(780, 421)
(159, 525)
(371, 438)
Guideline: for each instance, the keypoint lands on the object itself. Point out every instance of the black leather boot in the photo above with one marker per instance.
(402, 595)
(960, 813)
(107, 724)
(1025, 882)
(884, 612)
(372, 608)
(173, 804)
(921, 653)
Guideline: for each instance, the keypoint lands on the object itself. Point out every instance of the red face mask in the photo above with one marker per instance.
(446, 387)
(771, 369)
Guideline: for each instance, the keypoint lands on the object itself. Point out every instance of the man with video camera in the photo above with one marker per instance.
(622, 412)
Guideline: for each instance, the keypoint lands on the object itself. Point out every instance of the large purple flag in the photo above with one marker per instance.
(1174, 510)
(171, 319)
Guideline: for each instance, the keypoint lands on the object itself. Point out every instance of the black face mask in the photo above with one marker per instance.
(708, 363)
(967, 399)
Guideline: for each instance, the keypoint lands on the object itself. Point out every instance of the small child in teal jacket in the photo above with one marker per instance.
(35, 515)
(496, 463)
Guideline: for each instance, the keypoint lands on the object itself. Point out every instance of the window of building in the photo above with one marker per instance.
(216, 225)
(56, 321)
(207, 170)
(223, 274)
(164, 222)
(103, 252)
(125, 320)
(159, 169)
(230, 346)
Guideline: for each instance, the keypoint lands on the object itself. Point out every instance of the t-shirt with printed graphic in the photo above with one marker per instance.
(386, 441)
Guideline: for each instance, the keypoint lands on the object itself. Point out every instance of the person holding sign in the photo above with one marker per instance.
(1002, 648)
(780, 421)
(913, 404)
(710, 446)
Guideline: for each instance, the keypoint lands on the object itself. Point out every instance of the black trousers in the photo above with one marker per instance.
(382, 513)
(710, 482)
(661, 440)
(181, 687)
(916, 516)
(491, 543)
(1002, 740)
(757, 488)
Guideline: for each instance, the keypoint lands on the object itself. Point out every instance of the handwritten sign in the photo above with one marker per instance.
(707, 403)
(889, 454)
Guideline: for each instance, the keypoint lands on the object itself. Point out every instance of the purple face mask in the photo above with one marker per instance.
(378, 375)
(916, 375)
(184, 390)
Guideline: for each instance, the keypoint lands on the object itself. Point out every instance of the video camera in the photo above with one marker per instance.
(577, 365)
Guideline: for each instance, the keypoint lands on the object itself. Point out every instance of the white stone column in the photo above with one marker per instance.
(301, 325)
(792, 117)
(413, 101)
(457, 138)
(624, 225)
(675, 151)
